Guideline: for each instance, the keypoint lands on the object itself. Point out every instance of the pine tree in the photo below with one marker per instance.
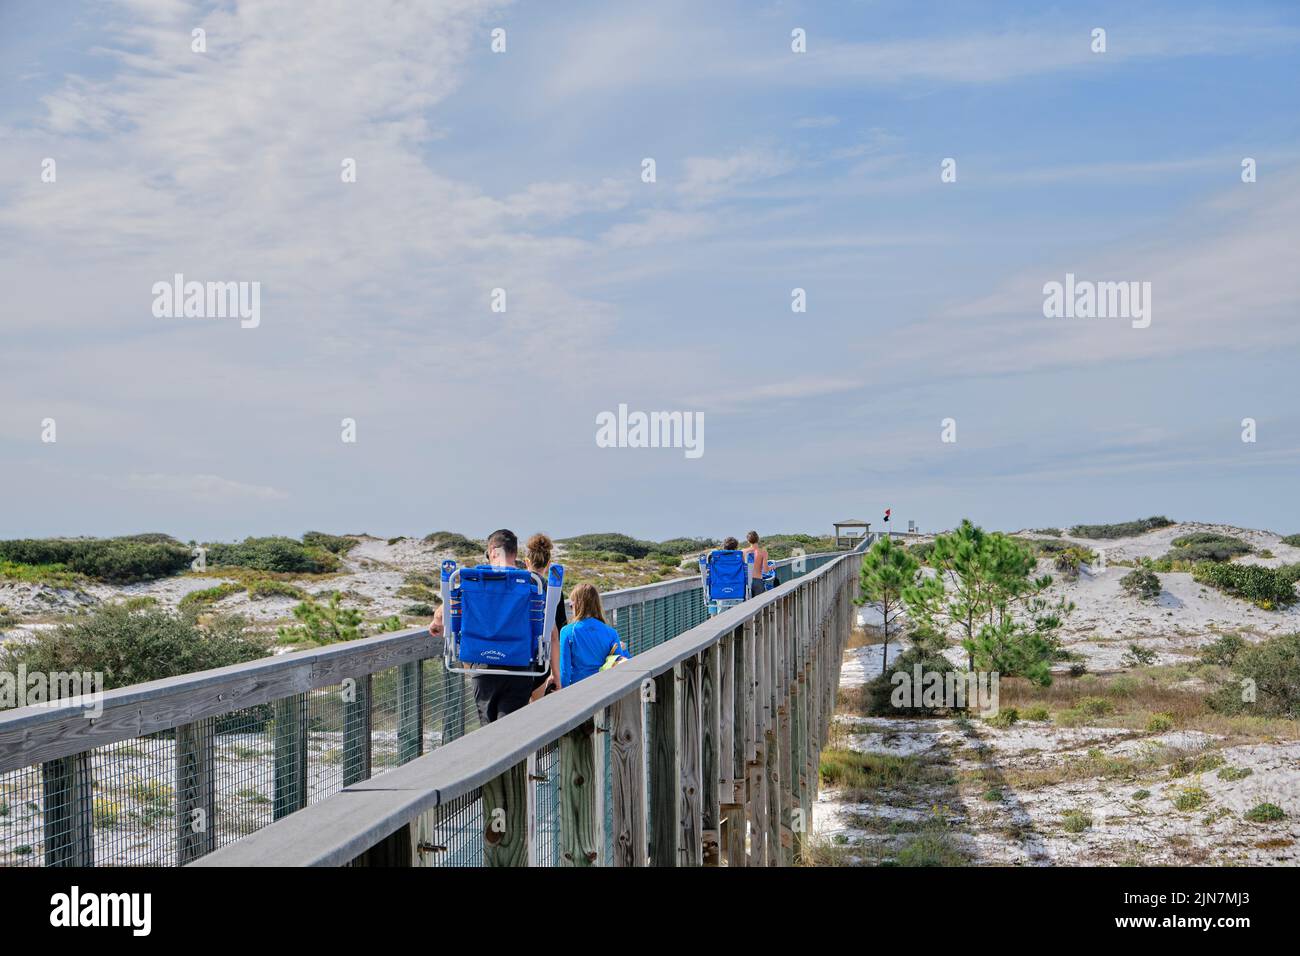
(887, 570)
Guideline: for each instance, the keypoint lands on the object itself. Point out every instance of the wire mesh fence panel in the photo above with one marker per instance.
(132, 802)
(546, 806)
(384, 713)
(244, 772)
(22, 824)
(449, 711)
(452, 835)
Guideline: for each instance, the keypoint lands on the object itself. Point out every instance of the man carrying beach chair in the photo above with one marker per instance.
(726, 576)
(496, 622)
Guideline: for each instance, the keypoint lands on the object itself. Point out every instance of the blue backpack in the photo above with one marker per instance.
(495, 619)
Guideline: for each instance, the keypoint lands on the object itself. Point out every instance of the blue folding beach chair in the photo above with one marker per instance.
(725, 576)
(497, 620)
(769, 578)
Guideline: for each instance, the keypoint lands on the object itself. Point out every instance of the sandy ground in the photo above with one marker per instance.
(1186, 616)
(995, 812)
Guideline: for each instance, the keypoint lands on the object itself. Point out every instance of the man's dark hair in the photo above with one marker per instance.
(730, 544)
(506, 541)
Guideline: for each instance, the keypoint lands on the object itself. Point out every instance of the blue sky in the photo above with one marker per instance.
(521, 170)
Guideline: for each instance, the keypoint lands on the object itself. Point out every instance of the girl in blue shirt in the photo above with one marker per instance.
(587, 643)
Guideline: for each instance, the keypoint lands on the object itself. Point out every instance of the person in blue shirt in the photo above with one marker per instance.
(587, 643)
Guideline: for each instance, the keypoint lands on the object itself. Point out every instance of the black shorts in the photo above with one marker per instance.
(499, 694)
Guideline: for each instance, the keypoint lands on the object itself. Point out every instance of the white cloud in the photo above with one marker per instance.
(198, 487)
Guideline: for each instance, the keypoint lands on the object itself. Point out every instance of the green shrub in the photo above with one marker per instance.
(1142, 582)
(1125, 529)
(610, 541)
(112, 560)
(1095, 706)
(419, 610)
(878, 694)
(322, 623)
(1141, 794)
(1159, 723)
(921, 551)
(1004, 718)
(269, 587)
(1265, 813)
(1293, 540)
(679, 547)
(1206, 546)
(275, 554)
(133, 646)
(1076, 821)
(197, 600)
(1138, 656)
(457, 544)
(1190, 798)
(1038, 713)
(1224, 651)
(1273, 669)
(1269, 588)
(930, 849)
(1234, 773)
(1196, 763)
(334, 543)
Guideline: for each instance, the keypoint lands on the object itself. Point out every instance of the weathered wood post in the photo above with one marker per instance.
(690, 841)
(627, 774)
(581, 829)
(196, 804)
(290, 755)
(711, 742)
(726, 743)
(737, 814)
(786, 736)
(757, 747)
(505, 818)
(356, 729)
(410, 711)
(68, 811)
(665, 784)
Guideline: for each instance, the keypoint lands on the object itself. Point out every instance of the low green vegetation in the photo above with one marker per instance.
(1076, 821)
(131, 646)
(1004, 718)
(1124, 529)
(457, 544)
(334, 543)
(1234, 773)
(124, 560)
(1190, 798)
(1141, 582)
(1265, 813)
(276, 554)
(326, 623)
(1205, 546)
(1268, 588)
(1160, 723)
(1263, 679)
(1293, 540)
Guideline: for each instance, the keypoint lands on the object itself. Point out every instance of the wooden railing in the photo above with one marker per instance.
(703, 750)
(154, 778)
